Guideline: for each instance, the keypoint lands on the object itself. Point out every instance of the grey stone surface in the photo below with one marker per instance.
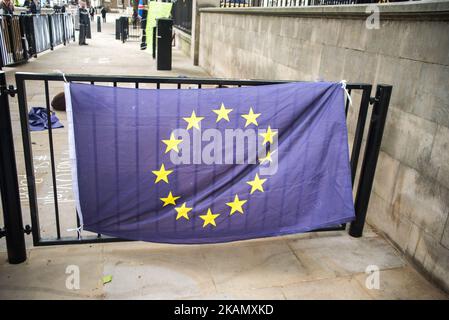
(305, 266)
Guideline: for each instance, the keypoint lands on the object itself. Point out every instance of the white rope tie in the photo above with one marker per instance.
(78, 230)
(63, 75)
(348, 96)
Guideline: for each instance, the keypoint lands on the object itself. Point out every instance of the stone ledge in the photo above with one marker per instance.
(184, 35)
(422, 10)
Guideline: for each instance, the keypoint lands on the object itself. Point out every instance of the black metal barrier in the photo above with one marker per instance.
(128, 28)
(26, 35)
(371, 109)
(9, 185)
(12, 45)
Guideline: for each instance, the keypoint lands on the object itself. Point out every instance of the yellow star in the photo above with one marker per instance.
(256, 184)
(268, 136)
(209, 218)
(169, 200)
(222, 113)
(251, 117)
(236, 205)
(267, 158)
(183, 211)
(172, 144)
(193, 121)
(162, 174)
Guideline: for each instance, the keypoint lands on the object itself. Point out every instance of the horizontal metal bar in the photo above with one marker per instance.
(75, 240)
(152, 79)
(336, 228)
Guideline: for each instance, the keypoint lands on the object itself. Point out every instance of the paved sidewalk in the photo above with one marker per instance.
(309, 266)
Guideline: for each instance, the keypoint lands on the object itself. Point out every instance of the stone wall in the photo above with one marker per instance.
(183, 41)
(410, 198)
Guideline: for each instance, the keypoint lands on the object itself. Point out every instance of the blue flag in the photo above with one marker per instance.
(209, 165)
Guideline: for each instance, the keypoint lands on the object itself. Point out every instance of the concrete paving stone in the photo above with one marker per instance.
(344, 255)
(335, 289)
(251, 267)
(401, 283)
(43, 275)
(156, 273)
(272, 293)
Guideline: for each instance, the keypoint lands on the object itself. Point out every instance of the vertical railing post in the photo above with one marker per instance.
(9, 186)
(28, 155)
(372, 149)
(50, 31)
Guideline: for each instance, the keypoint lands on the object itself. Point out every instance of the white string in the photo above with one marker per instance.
(63, 75)
(348, 96)
(78, 230)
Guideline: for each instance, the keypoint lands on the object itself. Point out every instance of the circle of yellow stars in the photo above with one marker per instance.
(171, 144)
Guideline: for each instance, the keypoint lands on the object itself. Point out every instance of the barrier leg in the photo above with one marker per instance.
(9, 186)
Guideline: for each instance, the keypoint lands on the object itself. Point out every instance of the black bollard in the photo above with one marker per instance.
(98, 24)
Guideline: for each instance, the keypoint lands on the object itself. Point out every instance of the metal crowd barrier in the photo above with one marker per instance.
(12, 47)
(127, 28)
(26, 35)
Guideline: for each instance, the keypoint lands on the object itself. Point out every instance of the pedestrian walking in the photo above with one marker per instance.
(103, 14)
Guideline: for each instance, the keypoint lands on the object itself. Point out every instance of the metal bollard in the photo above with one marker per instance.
(98, 24)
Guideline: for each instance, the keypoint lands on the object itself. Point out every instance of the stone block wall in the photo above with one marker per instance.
(410, 197)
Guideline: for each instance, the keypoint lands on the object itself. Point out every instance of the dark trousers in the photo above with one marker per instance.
(143, 26)
(104, 19)
(83, 34)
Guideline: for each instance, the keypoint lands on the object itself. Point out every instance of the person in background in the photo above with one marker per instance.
(63, 8)
(84, 23)
(33, 6)
(26, 4)
(103, 14)
(7, 7)
(92, 13)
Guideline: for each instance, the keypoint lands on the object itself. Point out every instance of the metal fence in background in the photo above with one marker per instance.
(41, 33)
(128, 28)
(182, 15)
(11, 45)
(293, 3)
(26, 35)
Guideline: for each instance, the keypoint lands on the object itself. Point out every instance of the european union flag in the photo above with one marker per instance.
(209, 165)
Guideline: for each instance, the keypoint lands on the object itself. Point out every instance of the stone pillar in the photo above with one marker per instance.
(195, 40)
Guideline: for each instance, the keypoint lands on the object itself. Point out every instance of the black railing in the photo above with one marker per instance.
(292, 3)
(26, 35)
(12, 46)
(182, 15)
(128, 28)
(362, 183)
